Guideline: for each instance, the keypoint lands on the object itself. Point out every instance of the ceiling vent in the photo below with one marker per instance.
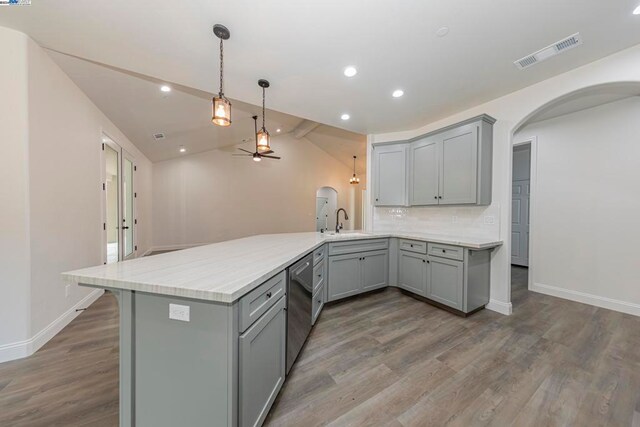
(549, 51)
(158, 136)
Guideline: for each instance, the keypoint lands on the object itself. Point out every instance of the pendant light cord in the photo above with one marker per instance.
(221, 65)
(263, 102)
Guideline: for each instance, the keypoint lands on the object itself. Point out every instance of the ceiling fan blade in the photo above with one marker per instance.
(246, 151)
(242, 155)
(270, 157)
(266, 152)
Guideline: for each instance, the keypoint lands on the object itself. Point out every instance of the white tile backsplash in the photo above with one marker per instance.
(473, 221)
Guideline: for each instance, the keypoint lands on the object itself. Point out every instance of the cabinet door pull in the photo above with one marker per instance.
(268, 294)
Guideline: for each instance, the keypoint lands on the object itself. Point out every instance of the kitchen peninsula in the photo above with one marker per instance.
(203, 330)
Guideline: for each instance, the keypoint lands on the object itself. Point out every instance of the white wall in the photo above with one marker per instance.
(14, 190)
(53, 144)
(212, 196)
(511, 111)
(587, 203)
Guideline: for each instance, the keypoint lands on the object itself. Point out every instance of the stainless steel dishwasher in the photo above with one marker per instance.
(299, 306)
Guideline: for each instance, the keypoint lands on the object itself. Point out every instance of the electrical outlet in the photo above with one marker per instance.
(489, 219)
(67, 291)
(179, 312)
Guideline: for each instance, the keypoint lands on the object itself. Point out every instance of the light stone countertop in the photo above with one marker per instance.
(226, 271)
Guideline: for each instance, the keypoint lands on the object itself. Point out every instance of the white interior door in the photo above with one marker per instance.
(520, 223)
(119, 214)
(128, 217)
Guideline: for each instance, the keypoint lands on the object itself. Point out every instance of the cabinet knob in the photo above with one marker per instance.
(411, 245)
(268, 294)
(424, 260)
(444, 251)
(435, 197)
(439, 197)
(376, 200)
(428, 261)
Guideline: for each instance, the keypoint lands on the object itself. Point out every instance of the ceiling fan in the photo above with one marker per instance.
(257, 155)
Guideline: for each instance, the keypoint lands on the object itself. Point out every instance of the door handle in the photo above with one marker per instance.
(125, 227)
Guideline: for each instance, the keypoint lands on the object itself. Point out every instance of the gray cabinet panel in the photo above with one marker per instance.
(445, 283)
(413, 246)
(390, 175)
(413, 272)
(318, 303)
(424, 172)
(344, 276)
(459, 165)
(318, 276)
(355, 246)
(262, 365)
(375, 270)
(446, 251)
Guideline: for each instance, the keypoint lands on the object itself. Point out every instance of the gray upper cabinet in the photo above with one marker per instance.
(390, 175)
(262, 350)
(451, 166)
(412, 272)
(424, 172)
(459, 166)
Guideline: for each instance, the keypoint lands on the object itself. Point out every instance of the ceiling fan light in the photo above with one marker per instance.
(264, 140)
(221, 111)
(256, 157)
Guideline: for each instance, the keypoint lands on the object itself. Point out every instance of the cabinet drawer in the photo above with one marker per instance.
(319, 253)
(258, 301)
(413, 246)
(446, 251)
(341, 248)
(318, 275)
(317, 304)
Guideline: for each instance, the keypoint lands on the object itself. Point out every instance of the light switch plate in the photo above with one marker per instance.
(179, 312)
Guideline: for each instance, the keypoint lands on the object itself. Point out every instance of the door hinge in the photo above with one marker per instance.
(104, 226)
(135, 248)
(135, 222)
(103, 146)
(135, 195)
(135, 168)
(104, 187)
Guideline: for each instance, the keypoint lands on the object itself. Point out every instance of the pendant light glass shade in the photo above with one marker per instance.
(264, 140)
(262, 137)
(221, 106)
(354, 179)
(221, 113)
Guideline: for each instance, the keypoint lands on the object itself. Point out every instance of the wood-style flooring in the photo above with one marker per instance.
(385, 359)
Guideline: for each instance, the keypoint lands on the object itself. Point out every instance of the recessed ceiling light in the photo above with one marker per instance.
(397, 93)
(165, 88)
(637, 11)
(350, 71)
(345, 117)
(442, 31)
(183, 150)
(105, 139)
(278, 130)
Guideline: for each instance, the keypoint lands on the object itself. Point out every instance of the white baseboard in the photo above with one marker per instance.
(26, 348)
(585, 298)
(500, 307)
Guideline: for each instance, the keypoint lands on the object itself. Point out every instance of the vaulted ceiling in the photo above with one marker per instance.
(302, 47)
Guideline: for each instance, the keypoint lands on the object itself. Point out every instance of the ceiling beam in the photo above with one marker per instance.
(304, 128)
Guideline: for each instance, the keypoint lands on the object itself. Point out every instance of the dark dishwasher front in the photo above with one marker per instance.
(299, 306)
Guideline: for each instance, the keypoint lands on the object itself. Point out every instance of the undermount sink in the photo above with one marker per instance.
(346, 234)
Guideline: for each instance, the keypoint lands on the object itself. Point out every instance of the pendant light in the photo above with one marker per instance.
(221, 107)
(263, 136)
(354, 179)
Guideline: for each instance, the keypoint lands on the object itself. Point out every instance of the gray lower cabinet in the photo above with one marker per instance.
(358, 272)
(412, 272)
(446, 282)
(344, 276)
(262, 350)
(375, 270)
